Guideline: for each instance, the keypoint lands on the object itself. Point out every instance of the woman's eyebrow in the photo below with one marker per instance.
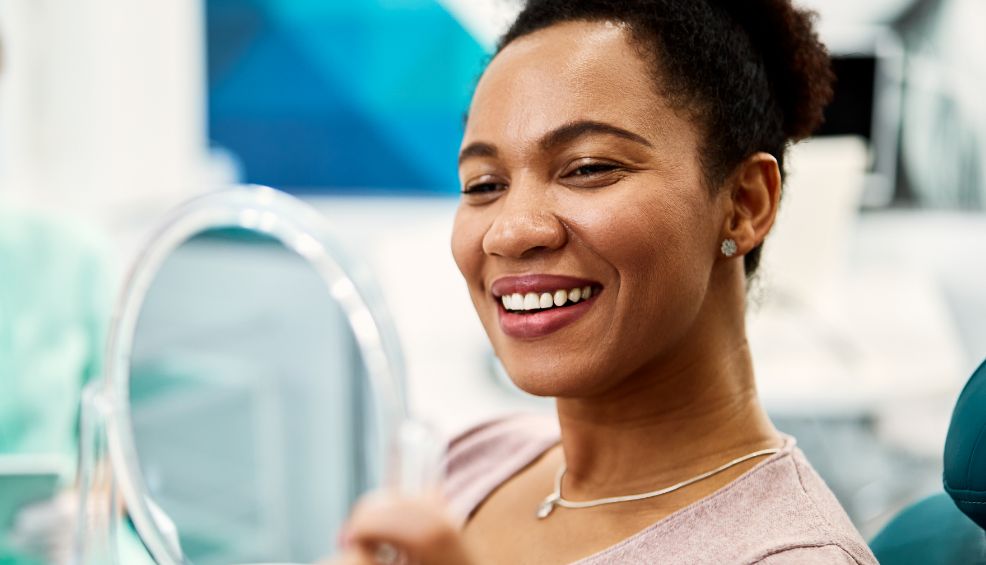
(570, 132)
(560, 136)
(478, 149)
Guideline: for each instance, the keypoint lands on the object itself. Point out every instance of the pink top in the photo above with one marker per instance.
(779, 512)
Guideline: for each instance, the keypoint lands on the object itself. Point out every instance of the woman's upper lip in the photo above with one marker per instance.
(522, 284)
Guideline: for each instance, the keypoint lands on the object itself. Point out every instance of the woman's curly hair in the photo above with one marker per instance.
(751, 73)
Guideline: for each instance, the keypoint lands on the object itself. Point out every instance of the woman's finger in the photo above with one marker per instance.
(417, 526)
(353, 555)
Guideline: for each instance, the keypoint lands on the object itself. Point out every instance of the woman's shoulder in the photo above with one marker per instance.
(821, 518)
(485, 456)
(820, 513)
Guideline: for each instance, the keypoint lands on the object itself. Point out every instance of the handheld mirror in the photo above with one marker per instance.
(253, 388)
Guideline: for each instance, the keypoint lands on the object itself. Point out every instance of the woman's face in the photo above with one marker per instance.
(576, 173)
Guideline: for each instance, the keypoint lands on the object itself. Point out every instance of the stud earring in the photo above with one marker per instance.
(728, 247)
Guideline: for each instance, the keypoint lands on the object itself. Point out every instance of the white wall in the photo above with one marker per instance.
(101, 105)
(487, 20)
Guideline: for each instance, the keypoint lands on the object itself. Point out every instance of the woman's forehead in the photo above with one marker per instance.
(566, 73)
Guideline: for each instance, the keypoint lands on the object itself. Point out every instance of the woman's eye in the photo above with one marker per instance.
(484, 188)
(589, 174)
(593, 169)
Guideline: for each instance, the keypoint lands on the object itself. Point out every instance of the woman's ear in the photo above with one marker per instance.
(754, 194)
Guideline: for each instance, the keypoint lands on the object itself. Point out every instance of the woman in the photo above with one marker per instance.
(621, 167)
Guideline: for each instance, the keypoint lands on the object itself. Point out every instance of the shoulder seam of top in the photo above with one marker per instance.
(786, 549)
(814, 503)
(460, 436)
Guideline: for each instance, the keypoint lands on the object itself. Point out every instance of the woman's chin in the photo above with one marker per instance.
(559, 382)
(537, 387)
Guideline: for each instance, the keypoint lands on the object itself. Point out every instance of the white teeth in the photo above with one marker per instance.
(560, 297)
(544, 300)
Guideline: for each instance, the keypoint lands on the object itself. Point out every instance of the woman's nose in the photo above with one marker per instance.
(524, 225)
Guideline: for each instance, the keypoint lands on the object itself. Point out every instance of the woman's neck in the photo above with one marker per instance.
(663, 425)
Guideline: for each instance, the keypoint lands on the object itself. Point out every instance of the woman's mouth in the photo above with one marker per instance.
(535, 302)
(534, 306)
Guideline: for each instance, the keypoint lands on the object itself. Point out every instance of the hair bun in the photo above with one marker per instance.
(797, 63)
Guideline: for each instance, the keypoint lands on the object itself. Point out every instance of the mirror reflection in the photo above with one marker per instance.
(252, 419)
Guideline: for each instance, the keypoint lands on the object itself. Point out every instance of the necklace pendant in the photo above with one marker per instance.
(545, 508)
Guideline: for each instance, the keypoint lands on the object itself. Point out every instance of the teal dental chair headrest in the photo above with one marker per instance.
(965, 450)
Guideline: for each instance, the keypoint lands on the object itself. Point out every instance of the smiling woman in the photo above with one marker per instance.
(621, 167)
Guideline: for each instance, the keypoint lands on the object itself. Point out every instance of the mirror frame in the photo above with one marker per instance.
(301, 229)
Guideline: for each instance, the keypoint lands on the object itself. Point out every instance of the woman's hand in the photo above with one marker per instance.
(418, 528)
(47, 529)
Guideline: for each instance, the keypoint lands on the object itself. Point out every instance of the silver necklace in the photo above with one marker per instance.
(555, 498)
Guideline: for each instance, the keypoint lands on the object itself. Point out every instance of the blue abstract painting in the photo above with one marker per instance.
(350, 96)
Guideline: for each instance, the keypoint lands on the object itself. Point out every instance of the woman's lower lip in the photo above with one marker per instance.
(540, 324)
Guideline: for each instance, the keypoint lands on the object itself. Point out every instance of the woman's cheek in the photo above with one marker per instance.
(467, 244)
(626, 231)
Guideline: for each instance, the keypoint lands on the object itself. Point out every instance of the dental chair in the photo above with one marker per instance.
(948, 528)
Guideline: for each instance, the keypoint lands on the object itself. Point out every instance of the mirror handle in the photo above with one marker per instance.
(418, 460)
(99, 511)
